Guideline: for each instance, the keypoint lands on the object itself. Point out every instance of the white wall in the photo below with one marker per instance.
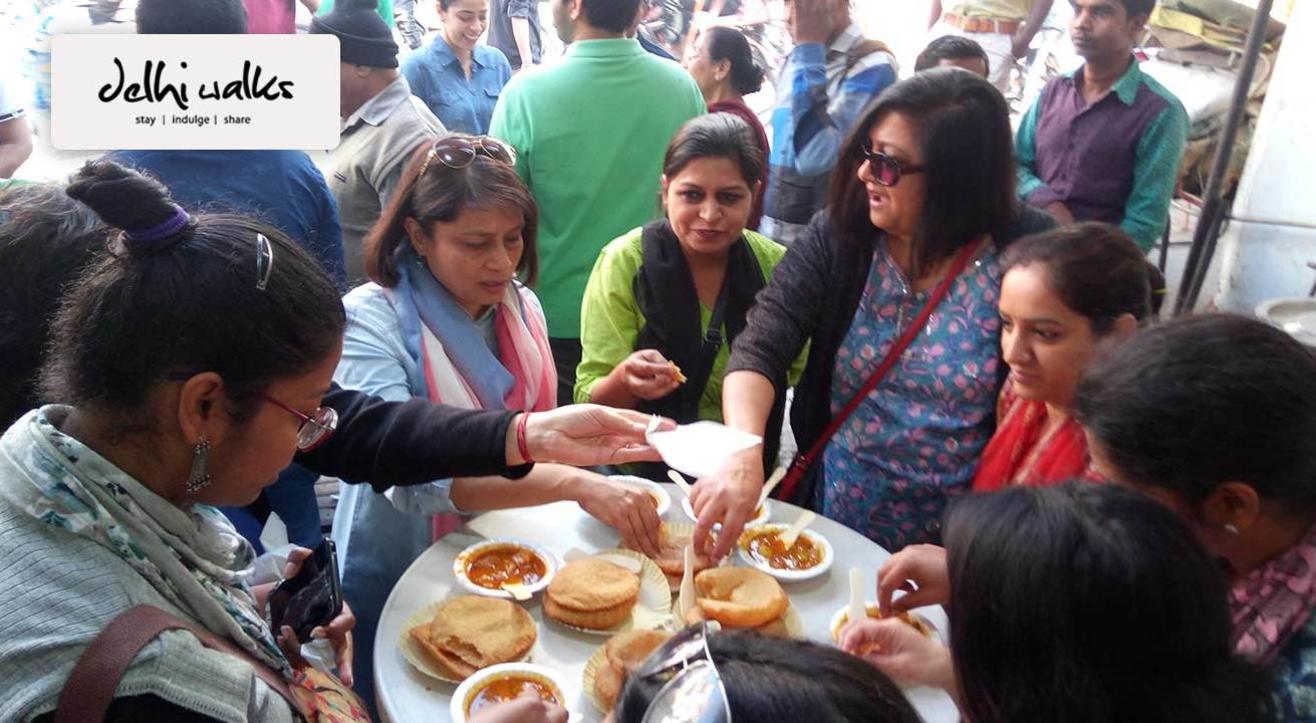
(1267, 257)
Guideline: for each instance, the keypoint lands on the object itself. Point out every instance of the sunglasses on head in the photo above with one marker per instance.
(886, 170)
(692, 691)
(458, 152)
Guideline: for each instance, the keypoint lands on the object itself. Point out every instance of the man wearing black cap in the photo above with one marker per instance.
(382, 122)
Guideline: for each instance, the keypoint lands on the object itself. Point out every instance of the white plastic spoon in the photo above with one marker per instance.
(773, 481)
(858, 611)
(680, 481)
(789, 537)
(686, 598)
(519, 591)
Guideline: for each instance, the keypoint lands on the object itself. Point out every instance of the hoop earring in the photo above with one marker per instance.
(199, 476)
(1231, 528)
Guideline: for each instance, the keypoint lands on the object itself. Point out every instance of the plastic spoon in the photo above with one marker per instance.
(789, 537)
(686, 599)
(680, 481)
(773, 481)
(519, 591)
(858, 611)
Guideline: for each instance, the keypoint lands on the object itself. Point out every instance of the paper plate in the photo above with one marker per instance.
(842, 616)
(459, 567)
(765, 512)
(829, 555)
(461, 697)
(653, 607)
(659, 494)
(590, 675)
(699, 449)
(419, 659)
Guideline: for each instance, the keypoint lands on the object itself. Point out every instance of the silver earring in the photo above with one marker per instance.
(1231, 528)
(199, 477)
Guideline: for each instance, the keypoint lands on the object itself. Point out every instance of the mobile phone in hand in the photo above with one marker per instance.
(311, 598)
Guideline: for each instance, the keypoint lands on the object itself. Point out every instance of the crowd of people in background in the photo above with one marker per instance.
(510, 262)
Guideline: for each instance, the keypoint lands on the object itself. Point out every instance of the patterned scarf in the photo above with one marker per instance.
(193, 557)
(1274, 601)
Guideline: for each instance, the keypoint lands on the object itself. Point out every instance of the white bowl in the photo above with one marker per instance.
(459, 567)
(653, 488)
(828, 554)
(469, 687)
(765, 512)
(842, 616)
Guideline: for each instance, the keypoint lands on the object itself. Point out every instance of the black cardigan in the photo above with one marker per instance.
(411, 442)
(812, 297)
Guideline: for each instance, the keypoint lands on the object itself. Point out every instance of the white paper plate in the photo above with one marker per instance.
(699, 449)
(469, 687)
(653, 608)
(765, 512)
(653, 488)
(459, 567)
(420, 660)
(842, 616)
(829, 555)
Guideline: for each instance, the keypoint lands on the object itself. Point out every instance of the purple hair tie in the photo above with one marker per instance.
(161, 231)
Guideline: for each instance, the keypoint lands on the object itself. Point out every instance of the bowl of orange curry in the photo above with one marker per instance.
(762, 548)
(485, 567)
(501, 683)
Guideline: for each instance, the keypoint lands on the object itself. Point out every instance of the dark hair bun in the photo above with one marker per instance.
(124, 199)
(729, 44)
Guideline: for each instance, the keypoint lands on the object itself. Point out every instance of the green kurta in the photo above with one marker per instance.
(610, 318)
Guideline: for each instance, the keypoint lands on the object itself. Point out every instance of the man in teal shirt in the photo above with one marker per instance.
(590, 134)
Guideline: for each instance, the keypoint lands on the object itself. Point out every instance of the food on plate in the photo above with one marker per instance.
(766, 546)
(672, 541)
(473, 632)
(503, 688)
(914, 621)
(622, 654)
(680, 378)
(739, 597)
(591, 593)
(494, 567)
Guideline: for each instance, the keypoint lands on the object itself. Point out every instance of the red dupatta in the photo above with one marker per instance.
(1019, 454)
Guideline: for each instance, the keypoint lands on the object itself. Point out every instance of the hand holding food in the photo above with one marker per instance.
(727, 498)
(919, 570)
(901, 651)
(628, 509)
(648, 375)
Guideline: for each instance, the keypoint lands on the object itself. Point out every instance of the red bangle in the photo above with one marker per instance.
(521, 447)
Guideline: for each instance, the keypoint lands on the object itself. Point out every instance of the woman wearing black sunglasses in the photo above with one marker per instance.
(923, 194)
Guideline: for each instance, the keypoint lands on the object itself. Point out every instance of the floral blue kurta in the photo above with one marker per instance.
(915, 441)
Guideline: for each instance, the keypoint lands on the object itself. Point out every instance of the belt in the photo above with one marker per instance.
(982, 25)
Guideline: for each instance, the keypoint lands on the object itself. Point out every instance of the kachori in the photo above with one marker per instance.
(622, 655)
(473, 632)
(592, 594)
(739, 597)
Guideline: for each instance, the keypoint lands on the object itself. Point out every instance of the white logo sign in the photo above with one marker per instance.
(230, 92)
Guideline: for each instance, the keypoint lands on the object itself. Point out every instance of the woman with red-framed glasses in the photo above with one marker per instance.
(921, 204)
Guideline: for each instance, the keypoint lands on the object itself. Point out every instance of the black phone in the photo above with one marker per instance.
(311, 598)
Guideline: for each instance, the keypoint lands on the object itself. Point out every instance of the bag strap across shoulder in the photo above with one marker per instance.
(90, 688)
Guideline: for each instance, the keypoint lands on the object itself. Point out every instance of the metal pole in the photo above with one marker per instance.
(1208, 224)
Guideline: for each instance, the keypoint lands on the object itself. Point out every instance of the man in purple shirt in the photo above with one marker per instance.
(1103, 143)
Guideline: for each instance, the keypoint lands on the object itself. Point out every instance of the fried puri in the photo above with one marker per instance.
(591, 594)
(740, 597)
(473, 632)
(671, 555)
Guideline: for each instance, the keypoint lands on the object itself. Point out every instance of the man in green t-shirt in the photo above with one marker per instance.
(590, 133)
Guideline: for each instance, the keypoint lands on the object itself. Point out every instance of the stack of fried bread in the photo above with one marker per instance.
(671, 554)
(622, 655)
(473, 632)
(592, 594)
(740, 597)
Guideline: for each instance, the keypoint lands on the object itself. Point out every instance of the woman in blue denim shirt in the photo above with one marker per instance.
(458, 78)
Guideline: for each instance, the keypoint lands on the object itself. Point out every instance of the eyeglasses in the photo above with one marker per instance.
(693, 691)
(264, 261)
(458, 152)
(315, 429)
(886, 170)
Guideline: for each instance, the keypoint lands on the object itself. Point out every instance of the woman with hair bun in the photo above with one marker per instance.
(722, 64)
(190, 362)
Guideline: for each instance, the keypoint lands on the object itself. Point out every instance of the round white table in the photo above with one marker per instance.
(404, 694)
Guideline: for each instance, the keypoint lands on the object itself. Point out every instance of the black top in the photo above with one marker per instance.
(501, 13)
(409, 443)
